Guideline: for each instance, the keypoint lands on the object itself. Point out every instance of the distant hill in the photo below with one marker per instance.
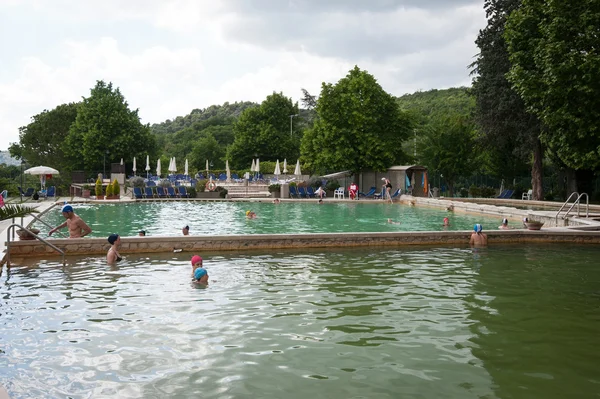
(6, 159)
(429, 105)
(222, 113)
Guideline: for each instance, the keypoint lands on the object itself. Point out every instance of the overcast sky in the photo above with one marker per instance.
(169, 57)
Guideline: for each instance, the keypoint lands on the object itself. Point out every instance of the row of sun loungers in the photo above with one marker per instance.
(160, 192)
(308, 192)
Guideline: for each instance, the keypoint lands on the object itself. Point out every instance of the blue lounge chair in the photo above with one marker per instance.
(397, 193)
(4, 194)
(137, 193)
(509, 193)
(151, 184)
(369, 194)
(222, 177)
(293, 192)
(160, 192)
(171, 192)
(310, 192)
(302, 193)
(199, 176)
(183, 192)
(148, 192)
(51, 192)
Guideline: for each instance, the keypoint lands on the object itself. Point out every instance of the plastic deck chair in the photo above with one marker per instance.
(183, 192)
(160, 192)
(171, 192)
(51, 192)
(310, 192)
(339, 193)
(301, 192)
(148, 192)
(137, 193)
(293, 192)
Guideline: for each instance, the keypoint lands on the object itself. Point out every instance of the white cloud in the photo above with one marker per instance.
(171, 57)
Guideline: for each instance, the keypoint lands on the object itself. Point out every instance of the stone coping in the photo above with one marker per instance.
(156, 244)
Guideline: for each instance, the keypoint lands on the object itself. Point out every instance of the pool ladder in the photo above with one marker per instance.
(577, 202)
(11, 233)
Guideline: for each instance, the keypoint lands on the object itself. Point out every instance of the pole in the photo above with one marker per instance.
(21, 190)
(415, 145)
(291, 126)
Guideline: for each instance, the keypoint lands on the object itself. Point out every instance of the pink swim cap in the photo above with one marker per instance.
(196, 259)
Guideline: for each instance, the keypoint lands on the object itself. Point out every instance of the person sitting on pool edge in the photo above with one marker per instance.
(76, 225)
(504, 225)
(113, 254)
(186, 230)
(478, 238)
(353, 191)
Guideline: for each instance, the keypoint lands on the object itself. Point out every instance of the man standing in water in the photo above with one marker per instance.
(478, 239)
(76, 225)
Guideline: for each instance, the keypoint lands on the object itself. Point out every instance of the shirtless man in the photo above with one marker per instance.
(478, 239)
(76, 225)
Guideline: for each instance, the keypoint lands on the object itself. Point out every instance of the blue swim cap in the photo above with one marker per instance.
(199, 273)
(477, 228)
(67, 208)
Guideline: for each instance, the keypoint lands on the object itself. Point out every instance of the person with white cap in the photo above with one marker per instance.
(387, 189)
(504, 225)
(76, 225)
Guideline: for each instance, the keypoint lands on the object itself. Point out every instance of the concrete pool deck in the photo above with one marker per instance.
(573, 230)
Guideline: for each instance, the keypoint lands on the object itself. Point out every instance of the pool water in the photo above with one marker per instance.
(502, 322)
(227, 218)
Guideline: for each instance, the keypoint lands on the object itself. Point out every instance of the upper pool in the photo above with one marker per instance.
(228, 218)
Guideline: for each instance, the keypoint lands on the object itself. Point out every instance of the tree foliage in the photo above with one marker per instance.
(105, 123)
(42, 142)
(264, 132)
(555, 68)
(448, 149)
(359, 127)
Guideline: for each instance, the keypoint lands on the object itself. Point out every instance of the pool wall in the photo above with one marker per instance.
(96, 246)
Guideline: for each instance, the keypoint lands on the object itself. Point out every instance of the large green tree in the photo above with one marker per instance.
(508, 132)
(42, 141)
(264, 132)
(555, 67)
(105, 126)
(448, 149)
(359, 127)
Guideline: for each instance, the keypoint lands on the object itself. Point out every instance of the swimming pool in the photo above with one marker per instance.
(502, 322)
(227, 218)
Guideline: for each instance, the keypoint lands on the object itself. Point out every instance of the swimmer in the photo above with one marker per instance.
(320, 201)
(276, 201)
(478, 238)
(201, 276)
(525, 221)
(196, 263)
(504, 225)
(250, 215)
(113, 254)
(446, 222)
(142, 233)
(450, 208)
(390, 221)
(186, 231)
(76, 225)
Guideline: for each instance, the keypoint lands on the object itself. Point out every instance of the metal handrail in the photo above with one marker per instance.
(12, 227)
(46, 224)
(577, 202)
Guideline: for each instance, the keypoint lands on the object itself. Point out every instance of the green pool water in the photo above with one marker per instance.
(223, 218)
(502, 322)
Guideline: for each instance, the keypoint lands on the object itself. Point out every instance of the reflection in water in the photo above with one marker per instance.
(431, 322)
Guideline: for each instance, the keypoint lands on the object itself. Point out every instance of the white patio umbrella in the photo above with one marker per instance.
(186, 170)
(174, 165)
(285, 166)
(121, 161)
(257, 167)
(134, 168)
(297, 171)
(277, 172)
(42, 171)
(253, 167)
(227, 170)
(207, 168)
(147, 165)
(158, 167)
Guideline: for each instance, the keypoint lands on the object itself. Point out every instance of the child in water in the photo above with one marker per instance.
(199, 274)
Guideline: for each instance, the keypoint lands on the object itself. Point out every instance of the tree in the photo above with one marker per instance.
(264, 132)
(42, 141)
(359, 127)
(553, 50)
(205, 148)
(448, 149)
(508, 131)
(10, 211)
(105, 123)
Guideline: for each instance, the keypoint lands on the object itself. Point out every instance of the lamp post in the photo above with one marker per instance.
(291, 127)
(21, 190)
(104, 174)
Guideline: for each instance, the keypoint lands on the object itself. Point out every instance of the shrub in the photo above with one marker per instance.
(474, 191)
(464, 192)
(98, 188)
(201, 186)
(109, 190)
(116, 188)
(332, 185)
(136, 181)
(293, 184)
(164, 183)
(222, 191)
(549, 196)
(191, 192)
(274, 188)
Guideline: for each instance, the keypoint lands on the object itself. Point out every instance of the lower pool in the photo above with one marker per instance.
(225, 218)
(502, 322)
